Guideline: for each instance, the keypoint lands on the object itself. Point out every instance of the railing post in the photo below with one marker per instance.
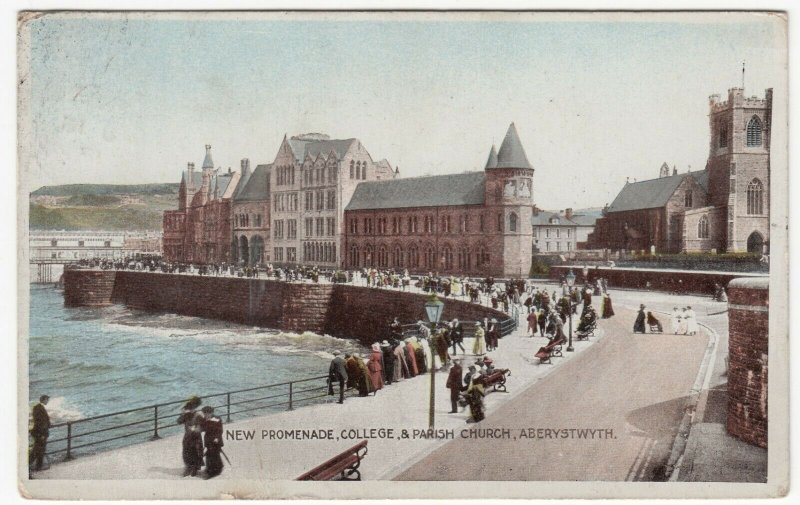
(69, 443)
(155, 423)
(291, 384)
(228, 417)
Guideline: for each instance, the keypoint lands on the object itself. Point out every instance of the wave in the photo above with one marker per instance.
(59, 411)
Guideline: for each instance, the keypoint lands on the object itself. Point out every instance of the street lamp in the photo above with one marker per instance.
(433, 308)
(571, 283)
(585, 274)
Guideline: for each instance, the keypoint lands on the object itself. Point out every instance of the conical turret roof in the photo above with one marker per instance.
(208, 162)
(492, 161)
(511, 154)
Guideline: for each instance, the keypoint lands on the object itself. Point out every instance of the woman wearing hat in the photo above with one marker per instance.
(479, 345)
(375, 366)
(638, 326)
(388, 362)
(192, 451)
(475, 394)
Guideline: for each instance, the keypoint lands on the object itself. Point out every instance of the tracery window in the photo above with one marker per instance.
(754, 129)
(755, 197)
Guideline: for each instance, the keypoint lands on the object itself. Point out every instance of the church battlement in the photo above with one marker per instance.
(737, 99)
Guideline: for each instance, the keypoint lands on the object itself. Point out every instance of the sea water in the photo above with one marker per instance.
(93, 361)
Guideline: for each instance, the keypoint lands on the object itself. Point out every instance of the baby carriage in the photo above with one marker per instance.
(587, 325)
(654, 323)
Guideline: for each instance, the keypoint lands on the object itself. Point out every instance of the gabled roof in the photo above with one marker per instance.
(221, 182)
(432, 191)
(544, 217)
(586, 217)
(256, 187)
(653, 193)
(511, 153)
(302, 148)
(197, 178)
(383, 170)
(492, 161)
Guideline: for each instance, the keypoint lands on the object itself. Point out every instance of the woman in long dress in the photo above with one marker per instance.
(400, 365)
(474, 395)
(675, 320)
(638, 326)
(608, 307)
(411, 358)
(479, 346)
(691, 323)
(375, 366)
(683, 327)
(192, 439)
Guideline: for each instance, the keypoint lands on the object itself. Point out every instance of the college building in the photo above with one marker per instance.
(723, 208)
(471, 223)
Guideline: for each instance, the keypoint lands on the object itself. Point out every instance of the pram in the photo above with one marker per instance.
(587, 325)
(654, 324)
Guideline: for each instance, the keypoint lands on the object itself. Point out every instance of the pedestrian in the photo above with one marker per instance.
(608, 308)
(457, 335)
(388, 362)
(40, 431)
(691, 322)
(638, 326)
(532, 322)
(675, 320)
(683, 328)
(192, 439)
(375, 366)
(411, 358)
(364, 383)
(401, 370)
(475, 394)
(454, 385)
(212, 438)
(479, 345)
(494, 335)
(653, 322)
(337, 373)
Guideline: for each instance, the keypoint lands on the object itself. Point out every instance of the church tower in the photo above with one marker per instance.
(509, 200)
(739, 168)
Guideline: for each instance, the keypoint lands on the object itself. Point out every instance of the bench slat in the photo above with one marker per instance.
(336, 465)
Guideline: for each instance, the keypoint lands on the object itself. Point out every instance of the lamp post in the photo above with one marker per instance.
(433, 308)
(571, 283)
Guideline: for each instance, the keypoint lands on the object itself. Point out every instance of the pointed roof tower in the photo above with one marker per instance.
(511, 154)
(492, 161)
(208, 162)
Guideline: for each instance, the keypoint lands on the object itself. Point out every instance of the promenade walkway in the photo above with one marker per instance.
(635, 385)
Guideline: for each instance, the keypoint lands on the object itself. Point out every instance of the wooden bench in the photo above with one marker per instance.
(343, 465)
(550, 350)
(588, 332)
(496, 379)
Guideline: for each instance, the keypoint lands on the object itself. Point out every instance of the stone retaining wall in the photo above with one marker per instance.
(687, 282)
(748, 348)
(335, 309)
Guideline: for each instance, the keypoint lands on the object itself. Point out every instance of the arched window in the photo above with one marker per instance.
(687, 199)
(447, 256)
(430, 257)
(397, 256)
(702, 227)
(755, 197)
(368, 258)
(352, 169)
(413, 257)
(512, 222)
(483, 257)
(353, 256)
(754, 129)
(358, 170)
(463, 258)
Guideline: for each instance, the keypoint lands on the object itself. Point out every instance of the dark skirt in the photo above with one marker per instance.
(192, 449)
(213, 461)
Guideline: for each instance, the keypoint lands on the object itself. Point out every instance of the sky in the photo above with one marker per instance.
(125, 99)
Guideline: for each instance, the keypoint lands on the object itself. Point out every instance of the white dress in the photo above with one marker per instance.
(692, 326)
(675, 322)
(683, 324)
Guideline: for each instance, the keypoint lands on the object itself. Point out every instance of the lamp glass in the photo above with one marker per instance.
(433, 308)
(570, 278)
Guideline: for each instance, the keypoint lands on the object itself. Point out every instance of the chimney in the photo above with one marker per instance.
(569, 213)
(245, 167)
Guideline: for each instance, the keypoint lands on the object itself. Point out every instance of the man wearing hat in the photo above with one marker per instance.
(40, 431)
(457, 335)
(388, 362)
(454, 385)
(192, 444)
(337, 373)
(212, 430)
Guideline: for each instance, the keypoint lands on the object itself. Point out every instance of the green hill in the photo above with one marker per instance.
(94, 218)
(107, 189)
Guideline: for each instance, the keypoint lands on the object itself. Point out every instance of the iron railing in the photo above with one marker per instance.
(127, 427)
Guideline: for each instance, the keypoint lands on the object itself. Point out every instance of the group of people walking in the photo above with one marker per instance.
(682, 322)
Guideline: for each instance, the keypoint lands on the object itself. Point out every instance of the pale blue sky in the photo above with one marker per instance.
(131, 101)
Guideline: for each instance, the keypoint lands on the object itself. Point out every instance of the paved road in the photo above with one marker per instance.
(635, 385)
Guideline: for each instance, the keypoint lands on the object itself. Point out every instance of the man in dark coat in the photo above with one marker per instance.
(40, 431)
(212, 430)
(457, 335)
(388, 362)
(454, 385)
(337, 373)
(638, 326)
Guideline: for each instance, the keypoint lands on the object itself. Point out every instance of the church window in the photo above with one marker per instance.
(352, 169)
(480, 223)
(447, 257)
(512, 223)
(687, 199)
(702, 227)
(755, 197)
(413, 256)
(754, 129)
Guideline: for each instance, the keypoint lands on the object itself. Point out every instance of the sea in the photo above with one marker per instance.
(94, 361)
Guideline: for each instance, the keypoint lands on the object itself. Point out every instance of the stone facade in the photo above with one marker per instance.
(200, 230)
(748, 367)
(463, 224)
(733, 188)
